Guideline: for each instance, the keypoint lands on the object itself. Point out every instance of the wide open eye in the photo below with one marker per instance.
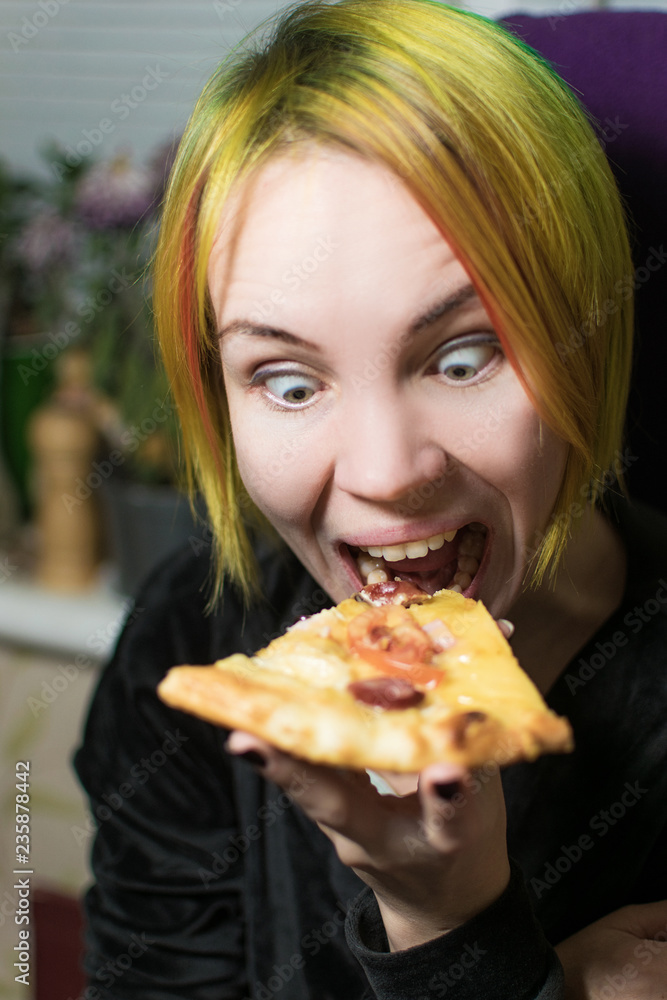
(293, 388)
(464, 359)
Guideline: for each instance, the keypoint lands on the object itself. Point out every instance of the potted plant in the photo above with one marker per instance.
(29, 264)
(95, 299)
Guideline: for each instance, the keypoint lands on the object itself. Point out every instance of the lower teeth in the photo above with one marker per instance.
(374, 570)
(368, 565)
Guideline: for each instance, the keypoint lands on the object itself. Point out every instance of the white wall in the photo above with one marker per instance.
(136, 65)
(86, 59)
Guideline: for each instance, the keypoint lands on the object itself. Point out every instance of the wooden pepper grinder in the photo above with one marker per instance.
(64, 442)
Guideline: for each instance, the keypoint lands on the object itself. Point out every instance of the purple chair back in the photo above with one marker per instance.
(616, 62)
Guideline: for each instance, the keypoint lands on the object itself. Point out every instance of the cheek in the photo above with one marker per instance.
(538, 457)
(516, 453)
(277, 470)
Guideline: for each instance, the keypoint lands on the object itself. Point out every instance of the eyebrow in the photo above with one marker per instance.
(260, 330)
(460, 297)
(457, 299)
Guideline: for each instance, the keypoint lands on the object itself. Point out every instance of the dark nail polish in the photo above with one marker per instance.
(252, 757)
(447, 790)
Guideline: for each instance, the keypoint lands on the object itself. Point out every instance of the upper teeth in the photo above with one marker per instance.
(410, 550)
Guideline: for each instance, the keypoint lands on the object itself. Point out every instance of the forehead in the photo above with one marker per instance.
(327, 227)
(307, 182)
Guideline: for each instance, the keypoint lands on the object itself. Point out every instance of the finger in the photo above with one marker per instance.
(332, 797)
(444, 794)
(644, 920)
(460, 807)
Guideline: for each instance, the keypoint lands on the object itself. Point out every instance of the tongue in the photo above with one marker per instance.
(431, 572)
(430, 582)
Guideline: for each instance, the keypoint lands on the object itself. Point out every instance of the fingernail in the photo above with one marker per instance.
(447, 790)
(507, 627)
(252, 757)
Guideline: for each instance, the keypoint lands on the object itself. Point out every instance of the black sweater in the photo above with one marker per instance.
(211, 883)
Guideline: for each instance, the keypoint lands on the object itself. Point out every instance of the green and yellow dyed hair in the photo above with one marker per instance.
(498, 152)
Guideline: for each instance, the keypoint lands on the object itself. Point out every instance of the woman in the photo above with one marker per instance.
(368, 345)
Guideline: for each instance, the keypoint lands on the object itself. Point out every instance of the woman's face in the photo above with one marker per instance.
(376, 421)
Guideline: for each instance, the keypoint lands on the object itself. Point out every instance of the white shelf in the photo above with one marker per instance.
(68, 624)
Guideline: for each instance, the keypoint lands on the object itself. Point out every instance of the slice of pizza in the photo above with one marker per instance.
(391, 679)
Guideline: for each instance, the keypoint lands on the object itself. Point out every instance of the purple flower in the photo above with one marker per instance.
(46, 240)
(114, 194)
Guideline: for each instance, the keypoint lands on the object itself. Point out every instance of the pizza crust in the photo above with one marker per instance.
(294, 694)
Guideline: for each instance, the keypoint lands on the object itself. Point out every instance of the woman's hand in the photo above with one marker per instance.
(622, 955)
(434, 858)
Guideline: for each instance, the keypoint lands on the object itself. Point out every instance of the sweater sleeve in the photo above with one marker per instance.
(501, 954)
(164, 917)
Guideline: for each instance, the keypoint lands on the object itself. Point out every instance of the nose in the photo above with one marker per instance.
(385, 451)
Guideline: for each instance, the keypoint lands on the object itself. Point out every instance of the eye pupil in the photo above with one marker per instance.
(293, 389)
(463, 359)
(460, 371)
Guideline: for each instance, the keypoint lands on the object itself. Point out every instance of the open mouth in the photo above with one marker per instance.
(450, 560)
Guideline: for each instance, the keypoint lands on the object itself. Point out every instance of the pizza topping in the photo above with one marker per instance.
(305, 624)
(392, 630)
(390, 639)
(386, 692)
(440, 635)
(392, 592)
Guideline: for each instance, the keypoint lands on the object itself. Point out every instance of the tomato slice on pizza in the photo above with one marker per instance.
(391, 679)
